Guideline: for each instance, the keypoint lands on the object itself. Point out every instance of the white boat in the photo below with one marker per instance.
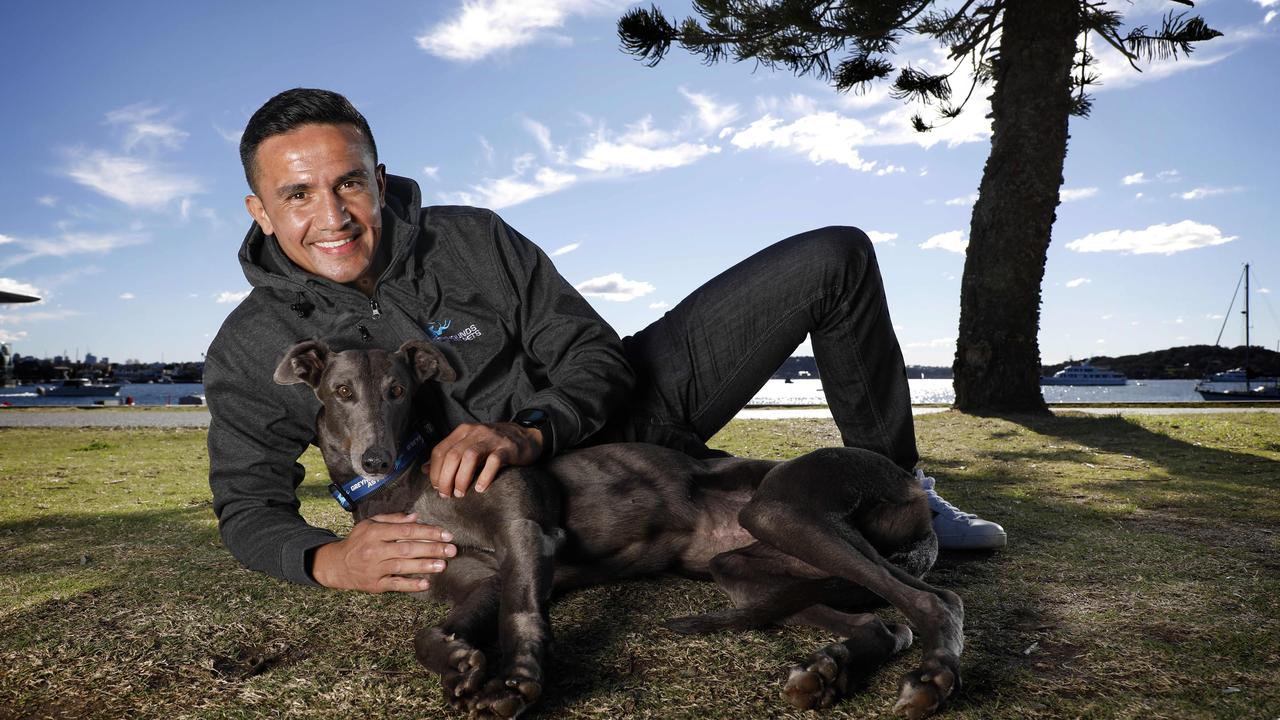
(78, 387)
(1237, 384)
(1084, 374)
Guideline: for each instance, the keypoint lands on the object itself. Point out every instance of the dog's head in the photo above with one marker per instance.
(368, 400)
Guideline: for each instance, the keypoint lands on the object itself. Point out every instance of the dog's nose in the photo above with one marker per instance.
(376, 462)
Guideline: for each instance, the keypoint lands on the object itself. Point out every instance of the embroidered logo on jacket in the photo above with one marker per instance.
(467, 334)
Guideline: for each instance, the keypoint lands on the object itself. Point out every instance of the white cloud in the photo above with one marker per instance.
(660, 305)
(1168, 175)
(934, 343)
(1265, 291)
(881, 237)
(142, 127)
(19, 287)
(823, 137)
(1201, 193)
(614, 287)
(71, 244)
(5, 240)
(966, 200)
(128, 296)
(1078, 282)
(953, 241)
(565, 249)
(8, 337)
(431, 171)
(1073, 194)
(607, 156)
(712, 116)
(890, 169)
(1270, 16)
(1135, 179)
(514, 189)
(22, 315)
(1164, 239)
(231, 136)
(484, 27)
(47, 200)
(227, 296)
(133, 181)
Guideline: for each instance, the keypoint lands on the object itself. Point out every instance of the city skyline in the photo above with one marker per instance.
(124, 205)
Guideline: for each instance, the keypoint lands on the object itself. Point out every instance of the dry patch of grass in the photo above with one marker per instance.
(1140, 581)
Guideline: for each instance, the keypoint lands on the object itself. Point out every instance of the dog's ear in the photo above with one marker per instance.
(303, 363)
(426, 361)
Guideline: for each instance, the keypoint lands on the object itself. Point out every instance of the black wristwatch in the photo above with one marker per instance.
(540, 419)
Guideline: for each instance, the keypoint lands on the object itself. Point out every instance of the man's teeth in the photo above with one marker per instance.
(334, 244)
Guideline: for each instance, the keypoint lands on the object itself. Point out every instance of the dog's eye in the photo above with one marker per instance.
(397, 391)
(344, 392)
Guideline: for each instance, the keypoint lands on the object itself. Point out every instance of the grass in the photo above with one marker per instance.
(1140, 581)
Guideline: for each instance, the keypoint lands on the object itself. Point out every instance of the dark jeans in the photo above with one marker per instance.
(700, 363)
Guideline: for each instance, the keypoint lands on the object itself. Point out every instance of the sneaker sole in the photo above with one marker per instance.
(989, 542)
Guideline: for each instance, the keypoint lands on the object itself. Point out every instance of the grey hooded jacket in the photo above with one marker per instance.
(518, 335)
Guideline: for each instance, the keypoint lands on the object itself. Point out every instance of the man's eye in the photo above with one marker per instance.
(298, 196)
(397, 391)
(344, 392)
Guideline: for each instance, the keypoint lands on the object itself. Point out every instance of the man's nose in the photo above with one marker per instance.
(333, 212)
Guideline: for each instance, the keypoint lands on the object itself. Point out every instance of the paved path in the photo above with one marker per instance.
(111, 418)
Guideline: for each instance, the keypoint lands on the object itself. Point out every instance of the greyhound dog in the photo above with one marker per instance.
(811, 541)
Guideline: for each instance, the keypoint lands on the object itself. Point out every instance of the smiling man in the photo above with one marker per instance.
(341, 251)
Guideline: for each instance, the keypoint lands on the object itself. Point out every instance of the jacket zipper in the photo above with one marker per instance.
(375, 308)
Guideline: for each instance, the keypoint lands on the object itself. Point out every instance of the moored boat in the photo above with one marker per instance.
(1085, 374)
(78, 387)
(1237, 384)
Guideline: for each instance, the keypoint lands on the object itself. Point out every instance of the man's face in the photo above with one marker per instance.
(318, 191)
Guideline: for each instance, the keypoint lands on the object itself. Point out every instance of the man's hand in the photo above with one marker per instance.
(379, 553)
(485, 448)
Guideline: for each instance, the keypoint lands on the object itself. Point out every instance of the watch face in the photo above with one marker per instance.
(533, 417)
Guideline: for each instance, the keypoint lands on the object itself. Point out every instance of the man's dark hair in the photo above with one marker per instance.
(292, 109)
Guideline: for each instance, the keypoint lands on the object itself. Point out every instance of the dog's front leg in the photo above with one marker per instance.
(526, 556)
(472, 587)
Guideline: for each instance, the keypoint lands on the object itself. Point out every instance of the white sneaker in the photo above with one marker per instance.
(958, 530)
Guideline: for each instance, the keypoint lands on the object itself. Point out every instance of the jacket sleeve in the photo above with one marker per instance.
(255, 440)
(586, 377)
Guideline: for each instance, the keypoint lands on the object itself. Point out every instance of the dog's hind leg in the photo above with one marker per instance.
(809, 508)
(835, 671)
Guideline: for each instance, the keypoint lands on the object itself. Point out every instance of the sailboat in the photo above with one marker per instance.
(1239, 385)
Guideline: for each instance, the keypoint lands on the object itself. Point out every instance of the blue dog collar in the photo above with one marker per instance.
(352, 491)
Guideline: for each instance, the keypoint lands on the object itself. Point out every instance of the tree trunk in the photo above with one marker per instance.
(997, 366)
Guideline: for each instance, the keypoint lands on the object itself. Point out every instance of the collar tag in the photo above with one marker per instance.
(352, 491)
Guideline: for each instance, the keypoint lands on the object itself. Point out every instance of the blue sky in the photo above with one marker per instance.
(122, 195)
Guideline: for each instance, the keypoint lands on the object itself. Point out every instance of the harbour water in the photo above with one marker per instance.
(775, 392)
(148, 394)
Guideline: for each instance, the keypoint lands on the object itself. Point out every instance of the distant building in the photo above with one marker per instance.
(90, 359)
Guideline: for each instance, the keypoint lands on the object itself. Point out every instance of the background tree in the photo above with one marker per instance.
(1035, 56)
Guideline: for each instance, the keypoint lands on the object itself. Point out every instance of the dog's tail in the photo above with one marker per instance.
(749, 617)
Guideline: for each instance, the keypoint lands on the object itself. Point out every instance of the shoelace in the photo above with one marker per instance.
(942, 507)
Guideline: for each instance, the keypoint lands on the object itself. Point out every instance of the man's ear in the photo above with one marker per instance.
(253, 204)
(380, 175)
(303, 363)
(426, 361)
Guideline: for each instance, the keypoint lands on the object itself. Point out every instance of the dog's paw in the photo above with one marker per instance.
(506, 698)
(464, 678)
(925, 690)
(819, 681)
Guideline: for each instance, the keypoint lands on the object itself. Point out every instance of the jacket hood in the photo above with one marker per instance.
(266, 266)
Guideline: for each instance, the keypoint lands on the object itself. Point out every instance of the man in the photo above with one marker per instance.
(342, 251)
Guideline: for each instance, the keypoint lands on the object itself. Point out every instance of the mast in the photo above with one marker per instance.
(1246, 325)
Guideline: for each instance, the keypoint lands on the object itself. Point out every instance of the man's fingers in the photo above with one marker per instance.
(467, 469)
(397, 583)
(394, 517)
(412, 566)
(492, 465)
